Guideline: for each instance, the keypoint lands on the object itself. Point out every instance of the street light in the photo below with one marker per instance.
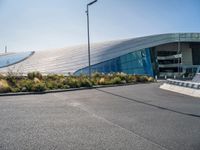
(179, 52)
(88, 31)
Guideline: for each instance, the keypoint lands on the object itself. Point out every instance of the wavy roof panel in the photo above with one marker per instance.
(71, 59)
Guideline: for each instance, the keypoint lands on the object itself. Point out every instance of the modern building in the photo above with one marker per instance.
(165, 54)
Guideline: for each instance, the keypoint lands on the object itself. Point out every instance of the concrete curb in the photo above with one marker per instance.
(186, 84)
(180, 89)
(68, 90)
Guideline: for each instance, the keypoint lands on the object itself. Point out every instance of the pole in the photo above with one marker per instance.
(5, 49)
(88, 32)
(179, 49)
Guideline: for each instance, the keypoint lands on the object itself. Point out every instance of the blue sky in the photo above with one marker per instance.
(43, 24)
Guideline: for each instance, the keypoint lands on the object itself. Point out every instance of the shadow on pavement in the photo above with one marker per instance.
(152, 105)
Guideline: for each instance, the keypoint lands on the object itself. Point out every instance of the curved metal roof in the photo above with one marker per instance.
(71, 59)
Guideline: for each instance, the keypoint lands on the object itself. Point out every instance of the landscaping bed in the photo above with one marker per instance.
(36, 82)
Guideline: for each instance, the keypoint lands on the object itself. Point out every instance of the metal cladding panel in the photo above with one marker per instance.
(71, 59)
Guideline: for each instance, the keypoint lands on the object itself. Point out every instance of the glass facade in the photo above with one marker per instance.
(137, 62)
(10, 59)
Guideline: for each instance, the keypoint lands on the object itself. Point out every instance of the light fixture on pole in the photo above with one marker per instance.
(88, 32)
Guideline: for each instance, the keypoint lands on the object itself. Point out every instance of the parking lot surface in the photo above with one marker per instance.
(139, 117)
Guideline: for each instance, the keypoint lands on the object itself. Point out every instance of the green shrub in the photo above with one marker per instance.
(102, 81)
(36, 82)
(143, 79)
(25, 85)
(4, 87)
(134, 78)
(94, 81)
(84, 82)
(121, 75)
(131, 79)
(96, 75)
(60, 86)
(73, 82)
(123, 82)
(11, 78)
(66, 87)
(54, 77)
(16, 89)
(116, 80)
(56, 84)
(38, 87)
(150, 79)
(65, 81)
(107, 80)
(51, 85)
(30, 75)
(137, 78)
(36, 74)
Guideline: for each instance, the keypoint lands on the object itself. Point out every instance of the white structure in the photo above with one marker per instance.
(165, 54)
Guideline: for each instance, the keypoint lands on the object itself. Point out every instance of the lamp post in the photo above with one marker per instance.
(179, 52)
(88, 32)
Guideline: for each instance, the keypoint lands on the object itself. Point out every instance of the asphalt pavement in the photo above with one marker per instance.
(134, 117)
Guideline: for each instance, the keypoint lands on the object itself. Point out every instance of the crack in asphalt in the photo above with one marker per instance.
(152, 105)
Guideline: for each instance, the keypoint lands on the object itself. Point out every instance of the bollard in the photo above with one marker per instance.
(174, 76)
(165, 77)
(156, 78)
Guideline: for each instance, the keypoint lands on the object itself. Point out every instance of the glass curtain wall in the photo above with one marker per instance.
(137, 62)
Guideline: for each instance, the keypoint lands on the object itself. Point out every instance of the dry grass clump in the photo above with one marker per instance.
(36, 82)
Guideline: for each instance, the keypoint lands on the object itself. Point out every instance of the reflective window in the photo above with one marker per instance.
(10, 59)
(133, 63)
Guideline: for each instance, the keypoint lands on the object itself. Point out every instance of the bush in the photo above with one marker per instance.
(11, 78)
(104, 81)
(54, 77)
(121, 75)
(150, 79)
(84, 82)
(36, 82)
(38, 87)
(4, 87)
(137, 78)
(51, 85)
(101, 81)
(25, 85)
(143, 79)
(116, 80)
(66, 87)
(32, 75)
(96, 75)
(73, 82)
(130, 79)
(15, 90)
